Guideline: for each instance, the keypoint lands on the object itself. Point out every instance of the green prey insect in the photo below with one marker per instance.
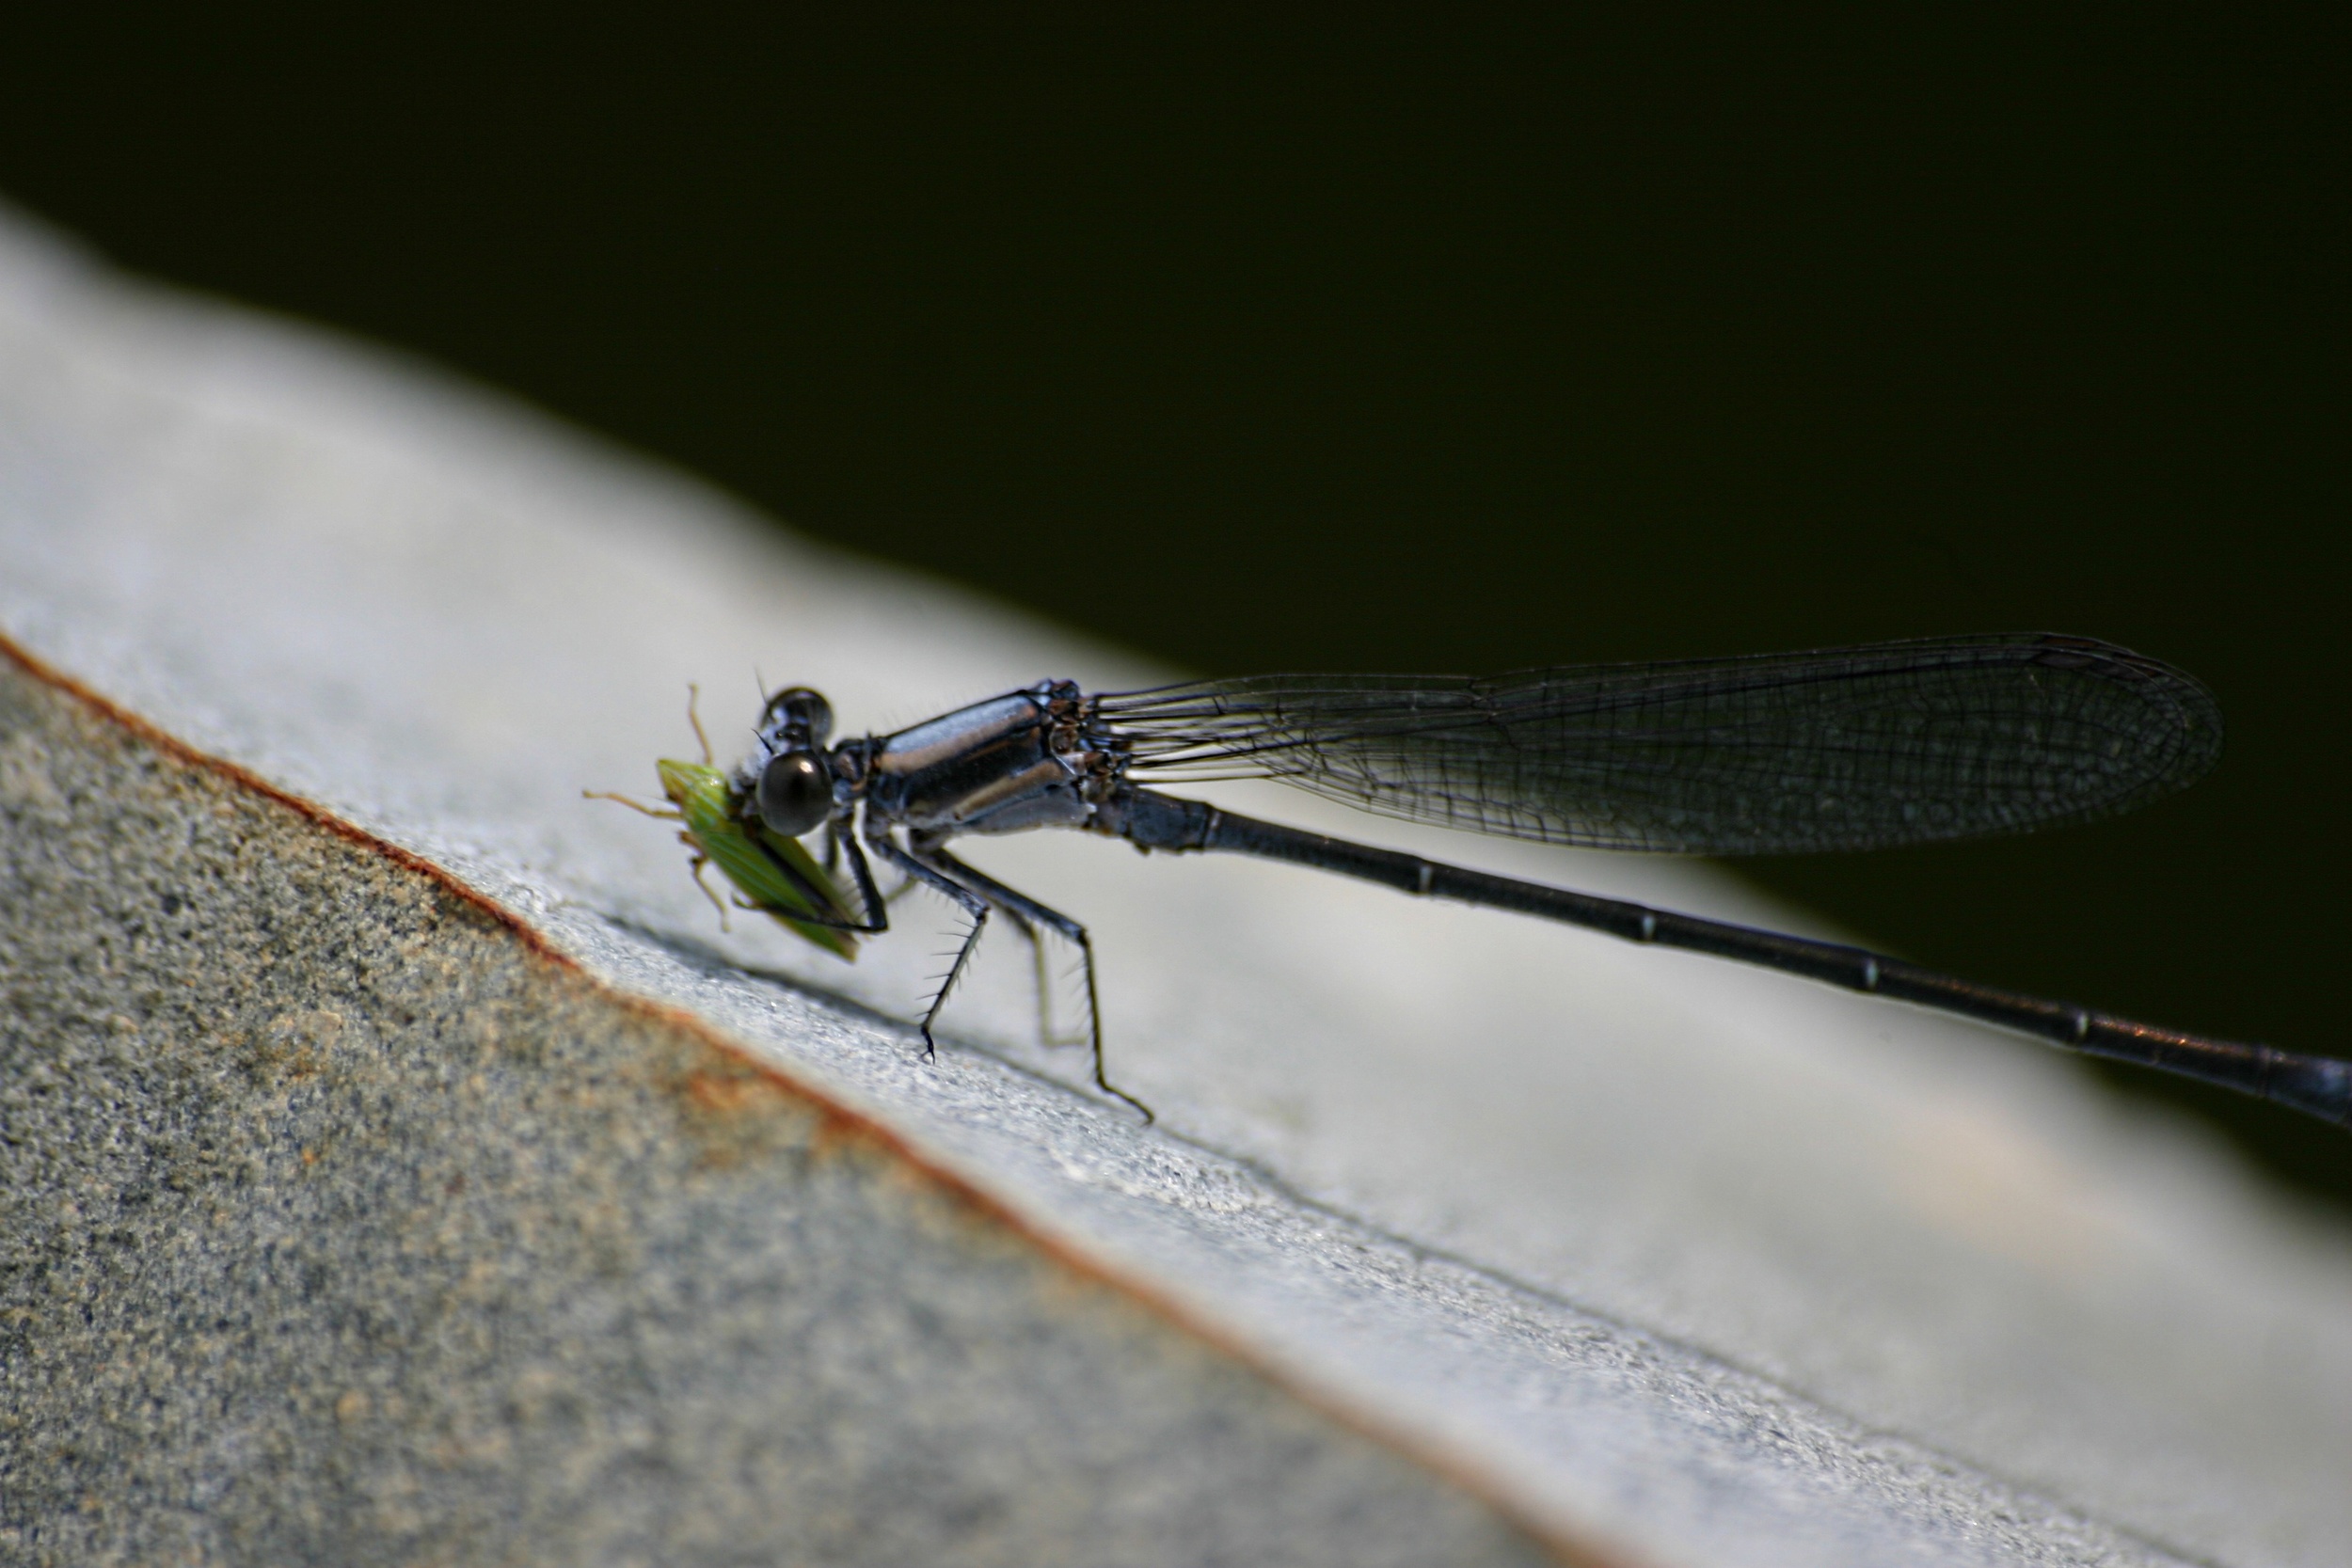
(772, 873)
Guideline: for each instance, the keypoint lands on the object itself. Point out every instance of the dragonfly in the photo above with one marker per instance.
(1837, 749)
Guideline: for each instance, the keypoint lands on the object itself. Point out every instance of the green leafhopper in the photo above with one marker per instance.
(720, 833)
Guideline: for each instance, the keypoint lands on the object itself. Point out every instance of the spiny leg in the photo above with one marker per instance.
(877, 907)
(1024, 907)
(970, 902)
(1026, 915)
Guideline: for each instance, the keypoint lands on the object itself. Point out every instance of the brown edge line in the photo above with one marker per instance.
(1573, 1552)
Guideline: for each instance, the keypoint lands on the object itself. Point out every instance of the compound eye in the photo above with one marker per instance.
(803, 709)
(794, 794)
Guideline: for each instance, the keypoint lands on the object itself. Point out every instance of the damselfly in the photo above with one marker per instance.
(1837, 748)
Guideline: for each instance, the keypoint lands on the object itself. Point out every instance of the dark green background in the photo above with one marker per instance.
(1383, 340)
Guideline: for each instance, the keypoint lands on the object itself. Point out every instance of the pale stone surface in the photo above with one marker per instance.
(344, 1226)
(1650, 1253)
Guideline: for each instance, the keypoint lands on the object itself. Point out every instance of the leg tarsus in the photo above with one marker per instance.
(1094, 1019)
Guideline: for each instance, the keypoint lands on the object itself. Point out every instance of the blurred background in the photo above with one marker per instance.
(1276, 340)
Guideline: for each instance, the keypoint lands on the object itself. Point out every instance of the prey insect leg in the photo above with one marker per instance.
(702, 863)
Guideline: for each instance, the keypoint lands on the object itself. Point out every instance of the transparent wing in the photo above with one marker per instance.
(1835, 749)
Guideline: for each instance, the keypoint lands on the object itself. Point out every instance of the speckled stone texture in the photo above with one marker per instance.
(341, 1223)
